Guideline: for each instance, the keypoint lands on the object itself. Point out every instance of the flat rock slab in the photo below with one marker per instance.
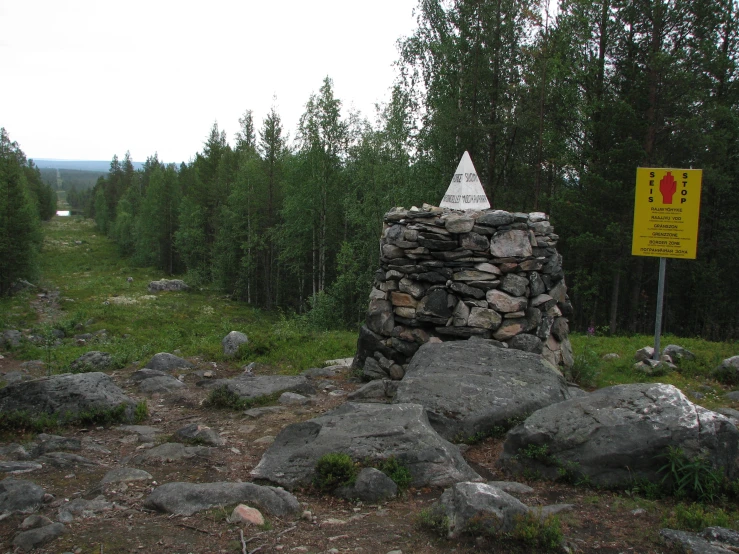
(18, 467)
(19, 495)
(256, 386)
(171, 452)
(145, 433)
(35, 538)
(65, 459)
(125, 475)
(161, 384)
(189, 498)
(471, 387)
(683, 541)
(617, 434)
(365, 432)
(65, 394)
(164, 361)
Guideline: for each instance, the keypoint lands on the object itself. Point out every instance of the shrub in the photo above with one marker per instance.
(695, 517)
(334, 470)
(397, 471)
(686, 478)
(434, 520)
(535, 532)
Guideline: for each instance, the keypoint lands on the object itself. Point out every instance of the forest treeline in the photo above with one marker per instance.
(25, 201)
(557, 112)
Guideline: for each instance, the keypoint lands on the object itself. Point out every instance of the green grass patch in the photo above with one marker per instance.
(397, 471)
(224, 398)
(697, 516)
(544, 534)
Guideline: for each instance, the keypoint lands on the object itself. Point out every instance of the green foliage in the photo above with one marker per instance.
(690, 478)
(433, 520)
(334, 470)
(141, 413)
(536, 452)
(22, 422)
(696, 517)
(586, 368)
(397, 471)
(536, 532)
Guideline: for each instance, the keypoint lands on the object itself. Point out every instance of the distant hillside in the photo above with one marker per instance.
(67, 179)
(82, 165)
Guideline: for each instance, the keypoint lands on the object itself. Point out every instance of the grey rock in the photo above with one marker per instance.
(14, 451)
(505, 303)
(15, 468)
(621, 433)
(365, 432)
(684, 541)
(82, 507)
(727, 371)
(380, 390)
(474, 242)
(721, 534)
(36, 538)
(232, 342)
(511, 487)
(293, 399)
(164, 361)
(65, 460)
(256, 386)
(456, 223)
(125, 475)
(611, 356)
(145, 433)
(373, 370)
(35, 521)
(171, 452)
(255, 413)
(65, 394)
(510, 244)
(676, 353)
(170, 285)
(513, 284)
(11, 338)
(160, 384)
(189, 498)
(486, 506)
(484, 318)
(470, 387)
(576, 391)
(645, 353)
(146, 373)
(371, 485)
(733, 395)
(92, 361)
(18, 495)
(199, 434)
(53, 443)
(16, 377)
(527, 343)
(495, 218)
(380, 317)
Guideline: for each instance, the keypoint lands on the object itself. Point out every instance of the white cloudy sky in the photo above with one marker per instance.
(86, 79)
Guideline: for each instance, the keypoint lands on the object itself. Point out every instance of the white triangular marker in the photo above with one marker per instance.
(465, 192)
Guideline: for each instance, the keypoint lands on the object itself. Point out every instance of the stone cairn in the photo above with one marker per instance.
(451, 275)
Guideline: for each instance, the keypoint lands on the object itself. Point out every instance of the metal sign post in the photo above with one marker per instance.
(666, 212)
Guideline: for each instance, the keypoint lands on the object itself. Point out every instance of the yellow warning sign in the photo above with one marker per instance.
(666, 212)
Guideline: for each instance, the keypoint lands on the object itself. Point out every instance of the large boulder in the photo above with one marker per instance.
(188, 498)
(232, 342)
(65, 395)
(621, 433)
(92, 361)
(365, 432)
(18, 495)
(470, 388)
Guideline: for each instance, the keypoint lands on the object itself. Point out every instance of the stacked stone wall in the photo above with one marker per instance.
(450, 275)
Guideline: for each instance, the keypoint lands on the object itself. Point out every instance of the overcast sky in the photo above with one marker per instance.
(87, 79)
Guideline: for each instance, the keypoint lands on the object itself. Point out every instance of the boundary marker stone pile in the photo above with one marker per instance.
(452, 275)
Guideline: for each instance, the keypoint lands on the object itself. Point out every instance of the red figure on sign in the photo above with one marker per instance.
(667, 186)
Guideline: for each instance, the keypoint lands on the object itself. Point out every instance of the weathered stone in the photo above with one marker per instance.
(378, 294)
(232, 342)
(530, 265)
(403, 300)
(455, 223)
(470, 387)
(466, 290)
(460, 314)
(474, 242)
(371, 485)
(167, 285)
(189, 498)
(495, 218)
(621, 433)
(511, 244)
(92, 361)
(365, 432)
(18, 495)
(380, 317)
(392, 252)
(65, 394)
(11, 338)
(676, 353)
(36, 538)
(727, 371)
(380, 390)
(406, 313)
(559, 292)
(484, 318)
(502, 302)
(159, 384)
(467, 506)
(199, 434)
(167, 362)
(437, 245)
(540, 299)
(433, 306)
(644, 353)
(683, 541)
(509, 329)
(125, 475)
(171, 452)
(246, 514)
(513, 284)
(256, 386)
(560, 329)
(414, 288)
(470, 275)
(527, 343)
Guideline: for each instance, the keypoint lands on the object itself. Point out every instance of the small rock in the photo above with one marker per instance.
(245, 514)
(35, 538)
(293, 399)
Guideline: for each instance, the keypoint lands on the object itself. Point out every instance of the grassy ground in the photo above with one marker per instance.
(94, 292)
